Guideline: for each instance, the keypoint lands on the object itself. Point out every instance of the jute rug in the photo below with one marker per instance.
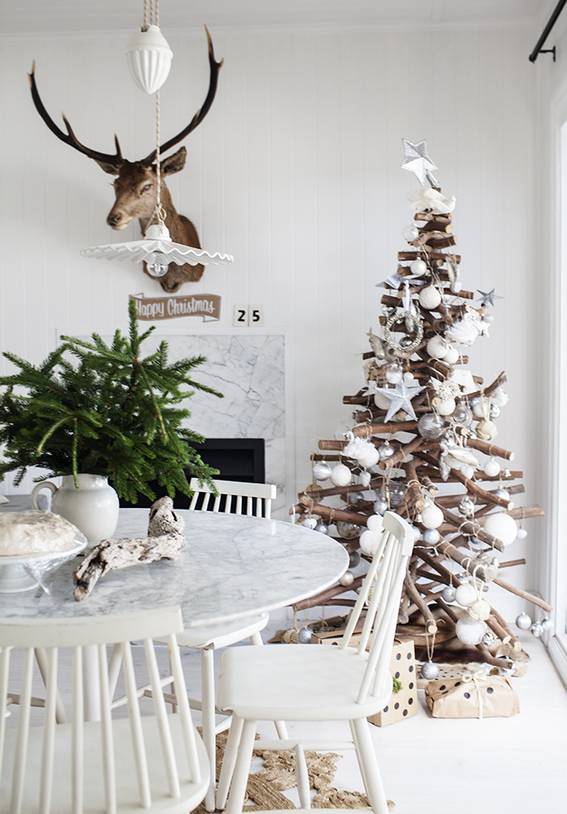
(277, 774)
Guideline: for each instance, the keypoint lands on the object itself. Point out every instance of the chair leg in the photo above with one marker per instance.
(209, 719)
(369, 766)
(41, 659)
(242, 769)
(281, 727)
(229, 761)
(302, 774)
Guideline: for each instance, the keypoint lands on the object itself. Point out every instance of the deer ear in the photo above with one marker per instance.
(174, 163)
(107, 166)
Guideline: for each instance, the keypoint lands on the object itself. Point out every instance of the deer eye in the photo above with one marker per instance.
(145, 188)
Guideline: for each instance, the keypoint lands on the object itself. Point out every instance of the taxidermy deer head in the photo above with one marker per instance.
(135, 183)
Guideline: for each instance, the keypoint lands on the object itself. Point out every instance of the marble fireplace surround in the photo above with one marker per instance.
(250, 372)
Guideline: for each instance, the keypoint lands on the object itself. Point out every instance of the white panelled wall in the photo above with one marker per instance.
(296, 172)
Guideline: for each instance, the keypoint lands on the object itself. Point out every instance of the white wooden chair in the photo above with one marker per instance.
(309, 683)
(154, 763)
(254, 500)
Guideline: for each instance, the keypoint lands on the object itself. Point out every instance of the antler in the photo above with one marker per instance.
(69, 137)
(214, 67)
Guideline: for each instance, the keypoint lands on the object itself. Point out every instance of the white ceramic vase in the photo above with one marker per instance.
(92, 508)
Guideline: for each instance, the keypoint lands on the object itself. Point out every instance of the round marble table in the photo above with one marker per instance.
(232, 567)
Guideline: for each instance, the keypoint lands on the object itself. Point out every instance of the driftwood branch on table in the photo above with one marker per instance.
(165, 541)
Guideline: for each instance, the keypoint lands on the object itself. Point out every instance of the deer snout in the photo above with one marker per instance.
(117, 220)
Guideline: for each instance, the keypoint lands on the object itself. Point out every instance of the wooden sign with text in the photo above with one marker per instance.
(206, 306)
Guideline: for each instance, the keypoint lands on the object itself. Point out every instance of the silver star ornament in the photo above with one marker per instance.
(417, 161)
(400, 398)
(488, 297)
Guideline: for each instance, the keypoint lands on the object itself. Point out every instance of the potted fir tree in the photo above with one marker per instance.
(95, 412)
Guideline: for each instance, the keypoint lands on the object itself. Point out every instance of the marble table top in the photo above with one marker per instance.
(232, 567)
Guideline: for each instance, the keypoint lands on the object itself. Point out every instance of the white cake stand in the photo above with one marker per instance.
(25, 572)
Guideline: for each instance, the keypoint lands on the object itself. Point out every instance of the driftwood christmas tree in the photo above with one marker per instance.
(423, 444)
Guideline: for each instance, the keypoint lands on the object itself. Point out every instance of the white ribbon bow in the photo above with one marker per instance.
(478, 676)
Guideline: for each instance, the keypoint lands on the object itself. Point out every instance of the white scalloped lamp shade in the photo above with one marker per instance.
(149, 57)
(157, 241)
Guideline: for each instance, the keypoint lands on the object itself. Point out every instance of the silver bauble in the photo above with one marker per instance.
(322, 528)
(380, 506)
(386, 450)
(546, 623)
(347, 579)
(522, 534)
(523, 621)
(397, 493)
(494, 410)
(448, 594)
(304, 635)
(430, 426)
(353, 559)
(462, 415)
(347, 530)
(466, 506)
(431, 536)
(321, 470)
(429, 671)
(536, 630)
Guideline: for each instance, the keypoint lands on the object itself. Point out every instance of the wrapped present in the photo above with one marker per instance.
(403, 703)
(475, 694)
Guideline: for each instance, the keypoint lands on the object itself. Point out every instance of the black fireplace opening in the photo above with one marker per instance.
(237, 459)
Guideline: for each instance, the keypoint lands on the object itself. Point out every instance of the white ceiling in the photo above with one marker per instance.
(21, 16)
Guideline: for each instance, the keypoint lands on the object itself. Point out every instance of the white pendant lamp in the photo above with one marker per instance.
(149, 58)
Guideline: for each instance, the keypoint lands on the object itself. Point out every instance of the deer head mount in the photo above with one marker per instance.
(135, 183)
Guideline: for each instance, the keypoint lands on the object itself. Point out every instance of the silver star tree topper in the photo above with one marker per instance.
(417, 161)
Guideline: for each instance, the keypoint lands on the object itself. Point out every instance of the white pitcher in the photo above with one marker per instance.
(92, 508)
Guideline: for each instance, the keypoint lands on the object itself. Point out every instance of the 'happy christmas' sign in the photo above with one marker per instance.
(206, 306)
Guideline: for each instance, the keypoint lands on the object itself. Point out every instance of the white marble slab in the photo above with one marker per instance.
(232, 567)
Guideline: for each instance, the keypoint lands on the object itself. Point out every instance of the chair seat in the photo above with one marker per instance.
(223, 635)
(128, 799)
(296, 683)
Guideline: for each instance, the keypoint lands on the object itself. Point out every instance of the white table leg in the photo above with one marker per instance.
(91, 683)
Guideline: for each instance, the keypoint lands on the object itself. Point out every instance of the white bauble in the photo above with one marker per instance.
(501, 526)
(429, 297)
(478, 407)
(347, 579)
(369, 541)
(375, 522)
(431, 536)
(444, 406)
(522, 534)
(480, 610)
(486, 430)
(380, 505)
(430, 671)
(467, 471)
(466, 594)
(431, 517)
(393, 373)
(448, 593)
(341, 475)
(452, 355)
(371, 457)
(310, 522)
(381, 401)
(321, 470)
(470, 631)
(364, 478)
(418, 267)
(500, 398)
(523, 621)
(437, 347)
(492, 468)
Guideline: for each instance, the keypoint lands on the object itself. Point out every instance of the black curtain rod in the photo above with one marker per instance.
(539, 49)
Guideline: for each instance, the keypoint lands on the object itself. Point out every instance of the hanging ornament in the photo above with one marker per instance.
(369, 541)
(466, 594)
(418, 268)
(452, 355)
(466, 506)
(347, 579)
(523, 621)
(470, 631)
(321, 471)
(430, 426)
(400, 398)
(462, 415)
(375, 522)
(341, 475)
(380, 505)
(486, 430)
(501, 526)
(310, 522)
(322, 528)
(397, 493)
(467, 330)
(429, 671)
(431, 536)
(429, 297)
(393, 373)
(492, 468)
(410, 233)
(494, 411)
(364, 478)
(431, 516)
(444, 407)
(411, 338)
(149, 58)
(348, 531)
(503, 494)
(479, 610)
(371, 458)
(386, 450)
(437, 347)
(448, 594)
(536, 630)
(499, 397)
(522, 534)
(304, 635)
